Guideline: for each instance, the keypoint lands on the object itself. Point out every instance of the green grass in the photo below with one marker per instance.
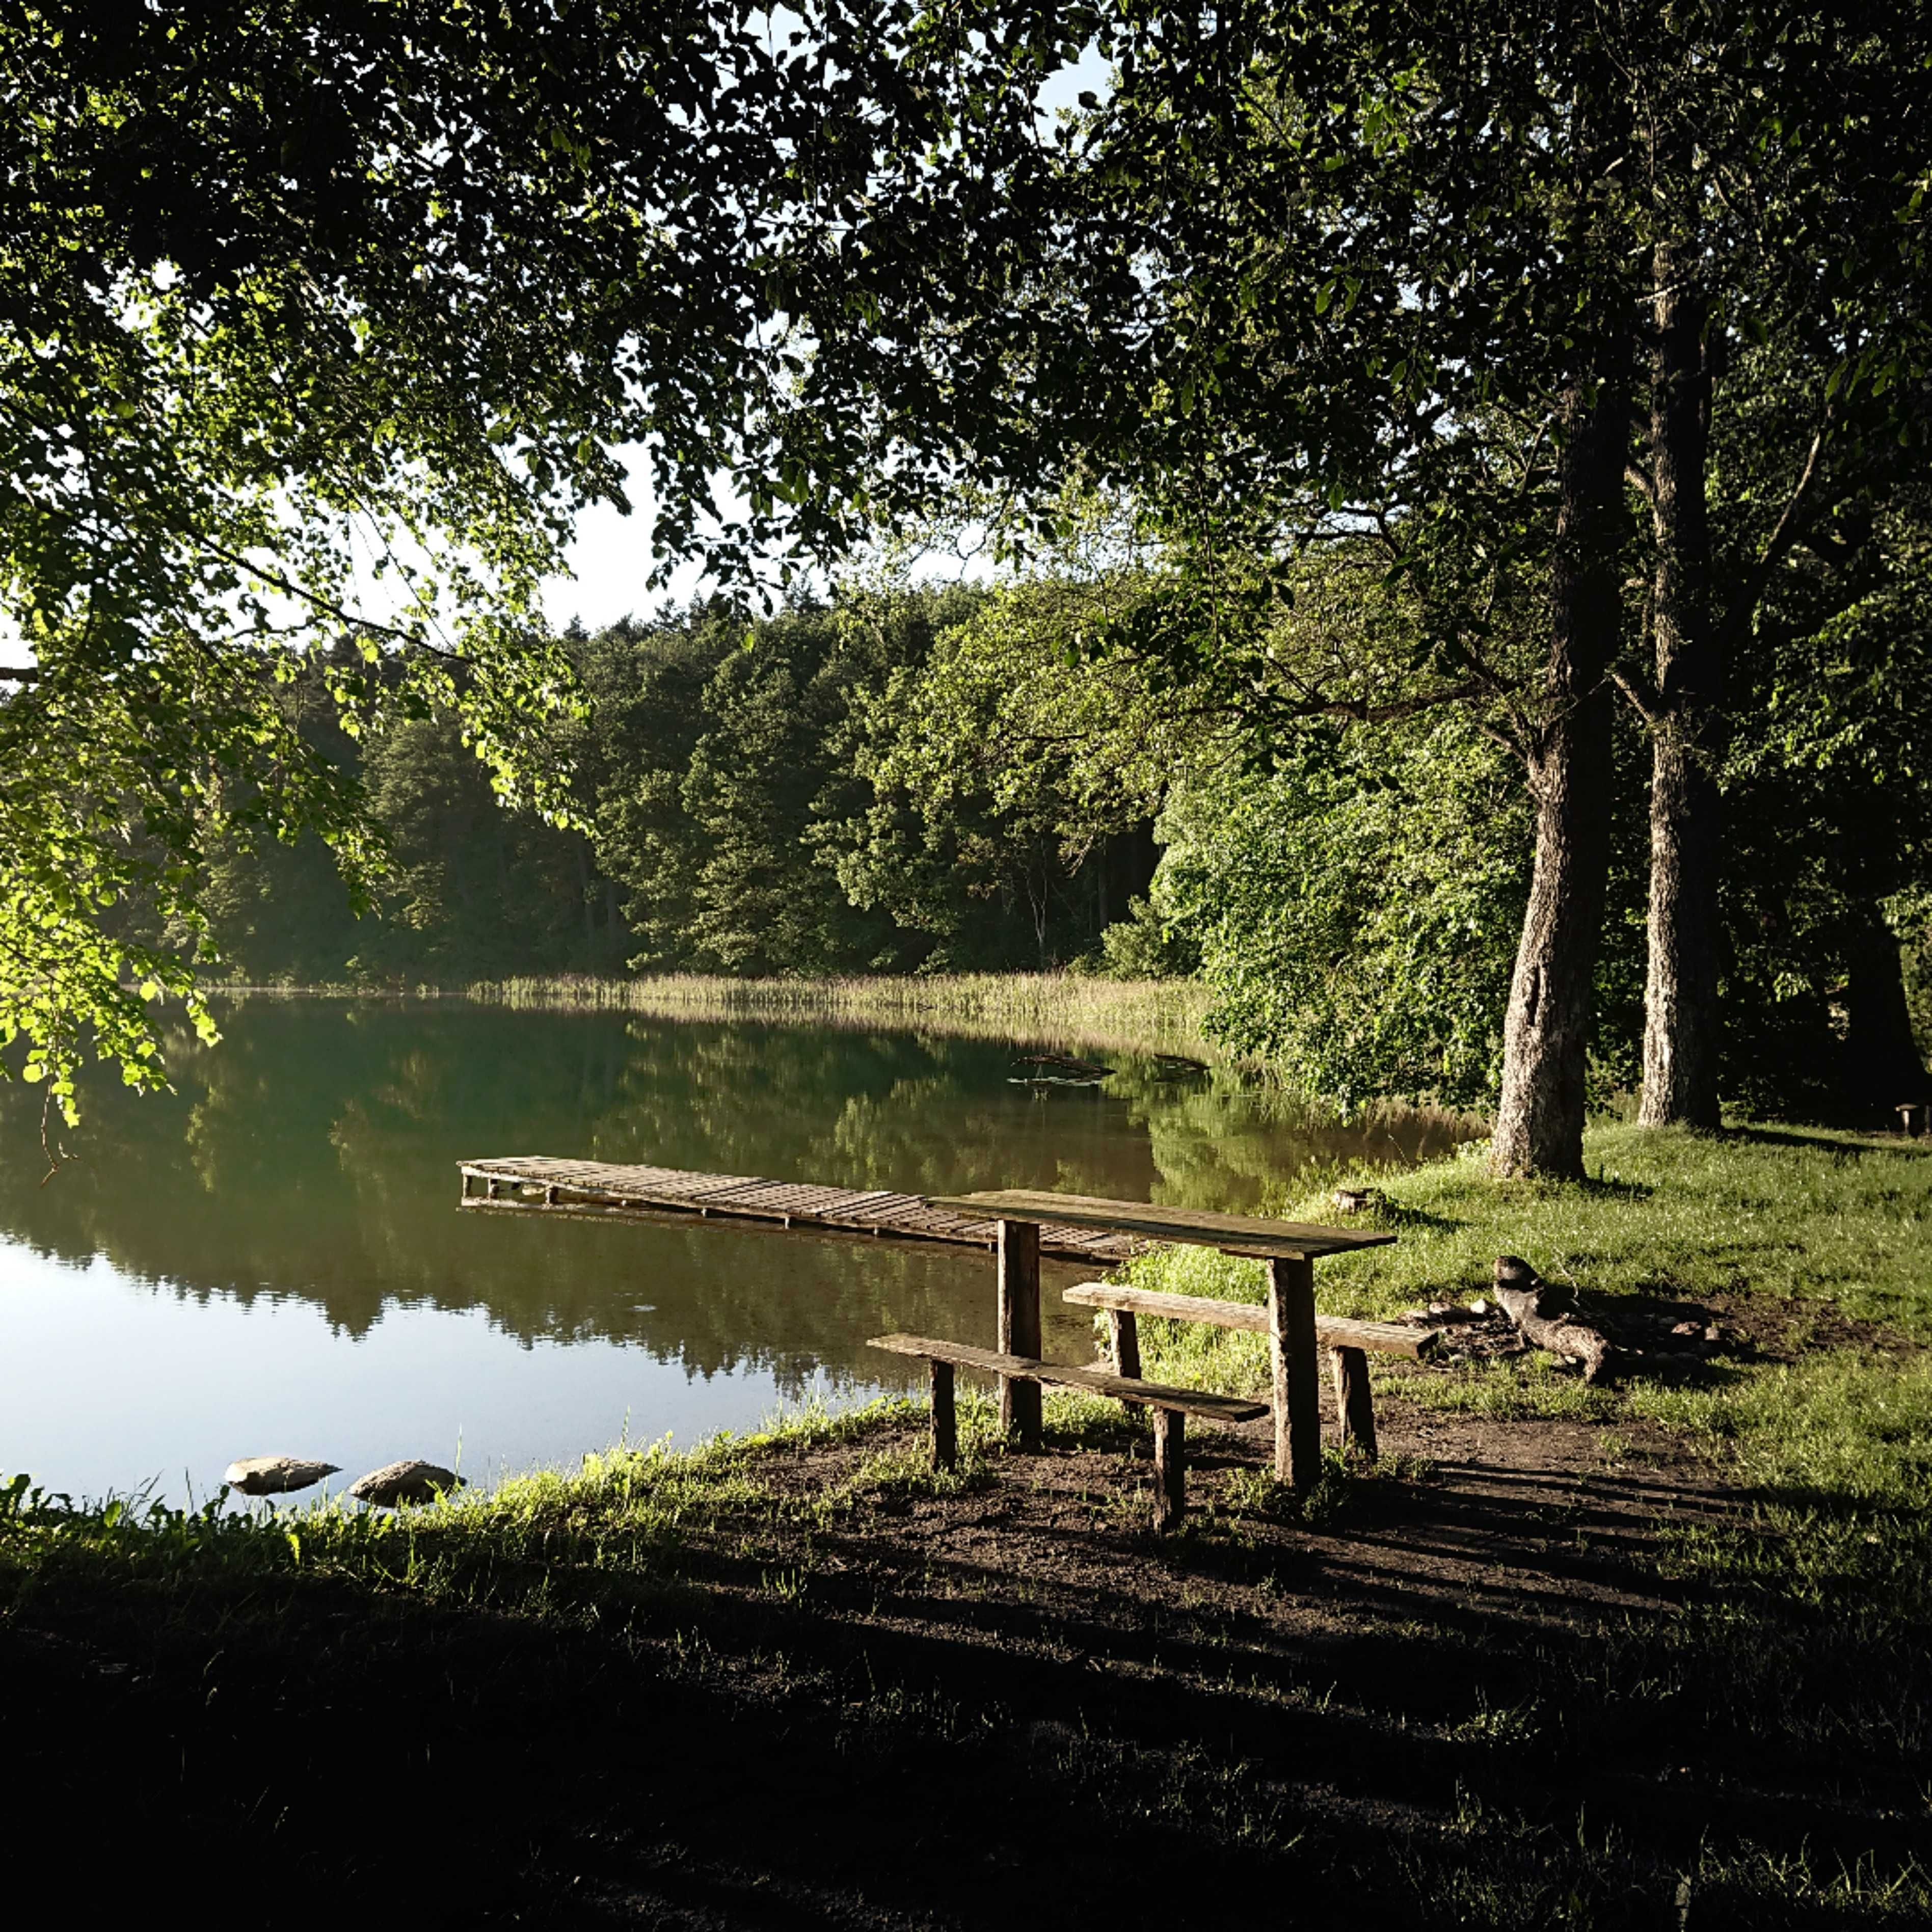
(1053, 1009)
(1803, 1232)
(1816, 1415)
(1518, 1774)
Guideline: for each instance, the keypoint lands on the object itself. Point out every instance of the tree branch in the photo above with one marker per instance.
(301, 594)
(1750, 593)
(1644, 699)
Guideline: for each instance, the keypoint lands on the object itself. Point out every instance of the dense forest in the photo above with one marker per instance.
(930, 780)
(739, 807)
(1458, 482)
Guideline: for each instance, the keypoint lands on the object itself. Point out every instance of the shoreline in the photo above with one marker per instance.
(1042, 1008)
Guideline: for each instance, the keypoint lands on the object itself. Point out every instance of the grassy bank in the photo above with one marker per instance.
(1810, 1250)
(1049, 1008)
(1659, 1654)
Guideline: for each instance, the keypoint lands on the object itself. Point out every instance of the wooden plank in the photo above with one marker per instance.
(741, 1193)
(1355, 1406)
(857, 1202)
(1101, 1381)
(1018, 1327)
(1170, 1469)
(1333, 1331)
(1235, 1234)
(693, 1187)
(1297, 1413)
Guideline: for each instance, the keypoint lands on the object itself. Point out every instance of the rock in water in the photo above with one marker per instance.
(396, 1484)
(275, 1475)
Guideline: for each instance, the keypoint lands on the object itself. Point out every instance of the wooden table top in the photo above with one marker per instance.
(1251, 1234)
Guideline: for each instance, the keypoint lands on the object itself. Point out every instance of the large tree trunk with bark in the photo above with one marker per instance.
(1547, 1032)
(1682, 1028)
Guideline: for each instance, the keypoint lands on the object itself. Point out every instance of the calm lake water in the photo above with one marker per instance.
(270, 1259)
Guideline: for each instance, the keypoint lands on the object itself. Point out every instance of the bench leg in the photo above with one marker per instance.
(1297, 1375)
(945, 1417)
(1125, 1334)
(1170, 1469)
(1019, 1326)
(1354, 1405)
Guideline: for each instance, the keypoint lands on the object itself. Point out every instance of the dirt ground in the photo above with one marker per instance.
(960, 1711)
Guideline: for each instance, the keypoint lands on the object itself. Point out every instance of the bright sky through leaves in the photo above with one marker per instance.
(610, 558)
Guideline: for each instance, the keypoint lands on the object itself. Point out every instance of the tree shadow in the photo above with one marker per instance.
(1826, 1141)
(871, 1719)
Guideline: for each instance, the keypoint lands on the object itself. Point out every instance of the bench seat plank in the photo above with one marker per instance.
(1333, 1331)
(1099, 1382)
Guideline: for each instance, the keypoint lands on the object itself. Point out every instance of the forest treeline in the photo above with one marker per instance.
(934, 779)
(738, 812)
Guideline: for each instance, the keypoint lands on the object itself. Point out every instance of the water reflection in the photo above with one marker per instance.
(307, 1167)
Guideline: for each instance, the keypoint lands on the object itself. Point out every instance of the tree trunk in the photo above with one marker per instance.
(1547, 1032)
(1882, 1065)
(1680, 1024)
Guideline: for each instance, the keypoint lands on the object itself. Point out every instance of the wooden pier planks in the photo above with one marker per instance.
(539, 1184)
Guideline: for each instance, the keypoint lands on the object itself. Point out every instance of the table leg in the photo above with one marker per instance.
(1125, 1335)
(1170, 1469)
(1019, 1326)
(1355, 1405)
(945, 1417)
(1297, 1409)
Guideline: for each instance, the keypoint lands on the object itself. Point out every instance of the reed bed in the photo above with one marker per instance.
(1055, 1009)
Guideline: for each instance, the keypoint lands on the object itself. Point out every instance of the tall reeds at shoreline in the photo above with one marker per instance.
(1057, 1008)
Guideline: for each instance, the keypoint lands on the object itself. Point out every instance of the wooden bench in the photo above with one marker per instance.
(1348, 1342)
(1171, 1406)
(1289, 1249)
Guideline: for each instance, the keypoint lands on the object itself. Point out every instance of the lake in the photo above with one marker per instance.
(270, 1259)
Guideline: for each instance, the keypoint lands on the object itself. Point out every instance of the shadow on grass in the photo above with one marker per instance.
(1829, 1140)
(1399, 1214)
(1487, 1694)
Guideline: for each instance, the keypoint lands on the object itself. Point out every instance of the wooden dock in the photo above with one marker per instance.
(537, 1184)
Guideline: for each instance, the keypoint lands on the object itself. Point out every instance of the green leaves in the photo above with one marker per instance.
(319, 329)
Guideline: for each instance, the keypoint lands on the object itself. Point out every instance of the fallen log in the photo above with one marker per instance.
(1546, 1315)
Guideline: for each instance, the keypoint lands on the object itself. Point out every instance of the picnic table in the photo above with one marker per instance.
(1289, 1249)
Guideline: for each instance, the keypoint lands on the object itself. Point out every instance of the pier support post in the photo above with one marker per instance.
(1019, 1326)
(1298, 1401)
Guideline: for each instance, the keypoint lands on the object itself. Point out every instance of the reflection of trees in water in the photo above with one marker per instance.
(312, 1155)
(1232, 1141)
